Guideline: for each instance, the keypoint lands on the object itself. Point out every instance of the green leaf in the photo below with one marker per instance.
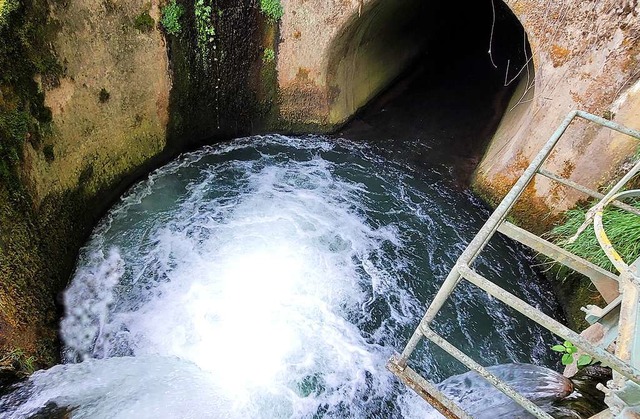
(558, 348)
(584, 360)
(572, 350)
(568, 344)
(567, 359)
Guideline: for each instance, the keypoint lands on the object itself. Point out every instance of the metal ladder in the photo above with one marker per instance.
(621, 292)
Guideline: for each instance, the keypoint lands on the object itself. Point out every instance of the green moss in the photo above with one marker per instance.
(272, 9)
(6, 8)
(144, 22)
(48, 153)
(171, 14)
(24, 53)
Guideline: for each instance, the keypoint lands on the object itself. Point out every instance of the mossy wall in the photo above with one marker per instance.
(93, 95)
(214, 83)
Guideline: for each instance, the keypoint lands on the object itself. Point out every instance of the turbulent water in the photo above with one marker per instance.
(272, 277)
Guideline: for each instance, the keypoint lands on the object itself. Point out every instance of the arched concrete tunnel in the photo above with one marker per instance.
(420, 69)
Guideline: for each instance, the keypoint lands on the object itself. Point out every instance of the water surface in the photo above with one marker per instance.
(272, 277)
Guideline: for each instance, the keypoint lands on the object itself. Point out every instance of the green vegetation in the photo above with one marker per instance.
(569, 351)
(272, 9)
(268, 56)
(608, 115)
(24, 53)
(6, 8)
(171, 14)
(104, 95)
(144, 22)
(622, 228)
(204, 26)
(19, 361)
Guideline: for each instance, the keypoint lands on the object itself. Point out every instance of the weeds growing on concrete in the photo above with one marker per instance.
(171, 14)
(268, 56)
(622, 228)
(272, 9)
(204, 26)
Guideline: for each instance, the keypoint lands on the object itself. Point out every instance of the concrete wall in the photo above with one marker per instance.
(122, 103)
(89, 148)
(586, 56)
(334, 56)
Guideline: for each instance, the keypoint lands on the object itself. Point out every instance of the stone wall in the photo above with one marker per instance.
(109, 112)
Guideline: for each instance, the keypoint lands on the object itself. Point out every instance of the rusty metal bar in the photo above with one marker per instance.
(550, 324)
(609, 124)
(429, 392)
(604, 281)
(586, 191)
(484, 373)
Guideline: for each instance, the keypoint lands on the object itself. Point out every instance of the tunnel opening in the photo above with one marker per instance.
(439, 75)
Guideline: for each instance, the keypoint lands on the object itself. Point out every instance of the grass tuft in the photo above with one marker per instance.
(622, 228)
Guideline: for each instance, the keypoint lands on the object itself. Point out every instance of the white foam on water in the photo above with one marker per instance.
(236, 288)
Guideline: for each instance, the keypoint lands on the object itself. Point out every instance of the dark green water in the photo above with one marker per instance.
(273, 277)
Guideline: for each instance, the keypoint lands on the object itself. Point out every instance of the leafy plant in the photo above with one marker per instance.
(18, 360)
(171, 14)
(569, 350)
(144, 22)
(6, 7)
(268, 56)
(272, 9)
(204, 25)
(622, 228)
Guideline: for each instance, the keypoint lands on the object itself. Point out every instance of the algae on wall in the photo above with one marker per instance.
(27, 310)
(116, 106)
(213, 61)
(68, 146)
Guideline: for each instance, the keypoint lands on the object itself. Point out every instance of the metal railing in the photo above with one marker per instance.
(625, 362)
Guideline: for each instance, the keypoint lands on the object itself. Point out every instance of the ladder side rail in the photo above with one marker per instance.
(484, 373)
(586, 191)
(484, 235)
(428, 391)
(605, 281)
(552, 325)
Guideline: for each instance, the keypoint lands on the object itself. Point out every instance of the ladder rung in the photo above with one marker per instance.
(605, 281)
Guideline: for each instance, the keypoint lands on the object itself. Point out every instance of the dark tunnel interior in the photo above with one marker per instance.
(445, 107)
